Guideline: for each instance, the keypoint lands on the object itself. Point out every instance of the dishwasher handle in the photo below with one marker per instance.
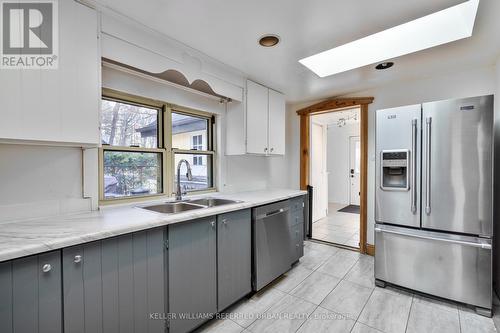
(273, 213)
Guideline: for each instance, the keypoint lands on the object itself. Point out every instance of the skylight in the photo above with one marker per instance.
(442, 27)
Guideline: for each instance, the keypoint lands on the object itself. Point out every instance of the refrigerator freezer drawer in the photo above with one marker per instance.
(449, 266)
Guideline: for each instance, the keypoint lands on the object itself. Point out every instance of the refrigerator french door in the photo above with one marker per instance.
(434, 199)
(457, 163)
(398, 142)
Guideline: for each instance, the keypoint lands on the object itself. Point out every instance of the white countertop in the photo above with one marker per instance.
(27, 237)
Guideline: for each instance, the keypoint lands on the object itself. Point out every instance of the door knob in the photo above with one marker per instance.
(46, 268)
(78, 259)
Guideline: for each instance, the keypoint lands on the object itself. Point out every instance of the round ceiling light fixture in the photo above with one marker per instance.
(269, 40)
(384, 65)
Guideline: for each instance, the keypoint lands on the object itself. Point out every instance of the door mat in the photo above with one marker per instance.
(350, 209)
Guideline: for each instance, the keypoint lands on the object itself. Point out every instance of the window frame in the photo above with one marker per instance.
(210, 146)
(164, 143)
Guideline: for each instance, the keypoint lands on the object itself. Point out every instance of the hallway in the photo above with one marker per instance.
(338, 227)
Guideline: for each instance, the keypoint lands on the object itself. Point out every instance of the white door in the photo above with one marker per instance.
(318, 176)
(354, 169)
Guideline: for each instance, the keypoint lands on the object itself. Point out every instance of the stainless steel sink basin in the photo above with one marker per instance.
(183, 206)
(212, 202)
(172, 207)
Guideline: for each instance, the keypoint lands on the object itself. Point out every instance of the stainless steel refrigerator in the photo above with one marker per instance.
(434, 199)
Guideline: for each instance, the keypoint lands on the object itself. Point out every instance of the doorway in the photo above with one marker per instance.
(335, 176)
(331, 106)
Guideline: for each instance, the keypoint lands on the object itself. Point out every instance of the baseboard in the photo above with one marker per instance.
(370, 249)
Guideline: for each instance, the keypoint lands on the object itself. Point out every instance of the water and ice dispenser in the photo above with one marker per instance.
(395, 170)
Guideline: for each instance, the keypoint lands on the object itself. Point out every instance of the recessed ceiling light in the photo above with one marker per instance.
(442, 27)
(269, 40)
(384, 65)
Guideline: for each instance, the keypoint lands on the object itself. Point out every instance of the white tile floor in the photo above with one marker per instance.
(332, 290)
(337, 227)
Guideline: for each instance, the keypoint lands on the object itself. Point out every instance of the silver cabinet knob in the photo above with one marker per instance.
(46, 268)
(78, 259)
(224, 221)
(212, 224)
(272, 149)
(265, 149)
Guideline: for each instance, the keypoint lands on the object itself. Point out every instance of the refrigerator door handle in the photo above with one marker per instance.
(428, 121)
(414, 167)
(439, 239)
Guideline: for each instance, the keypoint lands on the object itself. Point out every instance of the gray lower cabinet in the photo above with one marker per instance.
(82, 278)
(297, 227)
(192, 276)
(115, 285)
(234, 257)
(30, 294)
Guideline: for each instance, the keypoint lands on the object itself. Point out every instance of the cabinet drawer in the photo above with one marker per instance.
(297, 250)
(297, 204)
(297, 218)
(453, 267)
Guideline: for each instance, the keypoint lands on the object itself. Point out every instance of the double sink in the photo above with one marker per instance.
(187, 205)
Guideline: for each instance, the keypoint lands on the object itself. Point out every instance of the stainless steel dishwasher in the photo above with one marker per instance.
(272, 242)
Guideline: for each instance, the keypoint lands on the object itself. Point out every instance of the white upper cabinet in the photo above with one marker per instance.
(57, 105)
(276, 123)
(262, 128)
(257, 118)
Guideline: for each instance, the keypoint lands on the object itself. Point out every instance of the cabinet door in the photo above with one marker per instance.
(6, 297)
(62, 104)
(234, 257)
(30, 291)
(191, 272)
(133, 282)
(82, 279)
(277, 123)
(257, 118)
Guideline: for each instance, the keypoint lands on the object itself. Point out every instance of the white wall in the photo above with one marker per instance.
(40, 181)
(338, 161)
(470, 82)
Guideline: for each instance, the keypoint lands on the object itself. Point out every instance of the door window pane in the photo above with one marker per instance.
(189, 132)
(128, 125)
(128, 173)
(201, 168)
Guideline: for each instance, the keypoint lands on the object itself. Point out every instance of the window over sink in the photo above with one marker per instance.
(142, 142)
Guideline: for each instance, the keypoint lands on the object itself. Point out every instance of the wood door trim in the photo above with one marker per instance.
(335, 104)
(332, 105)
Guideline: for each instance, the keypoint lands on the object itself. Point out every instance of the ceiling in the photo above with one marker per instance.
(228, 31)
(332, 118)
